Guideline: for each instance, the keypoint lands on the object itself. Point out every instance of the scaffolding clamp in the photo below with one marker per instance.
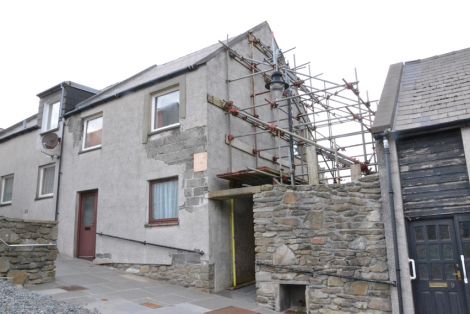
(230, 137)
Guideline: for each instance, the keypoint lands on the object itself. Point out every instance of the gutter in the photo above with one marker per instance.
(393, 219)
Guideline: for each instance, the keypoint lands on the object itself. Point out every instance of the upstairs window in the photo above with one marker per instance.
(165, 111)
(92, 130)
(50, 116)
(6, 190)
(164, 200)
(46, 181)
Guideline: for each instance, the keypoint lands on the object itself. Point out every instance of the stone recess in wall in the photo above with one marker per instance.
(28, 265)
(303, 233)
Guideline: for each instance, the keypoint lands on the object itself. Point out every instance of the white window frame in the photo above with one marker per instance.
(47, 118)
(154, 98)
(85, 126)
(41, 178)
(2, 202)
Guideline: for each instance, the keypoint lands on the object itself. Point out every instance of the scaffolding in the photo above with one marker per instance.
(321, 128)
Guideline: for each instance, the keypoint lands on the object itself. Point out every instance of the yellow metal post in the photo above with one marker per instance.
(232, 222)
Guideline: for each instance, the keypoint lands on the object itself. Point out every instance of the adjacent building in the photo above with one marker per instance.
(423, 136)
(126, 170)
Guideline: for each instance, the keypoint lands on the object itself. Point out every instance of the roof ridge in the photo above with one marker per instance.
(439, 56)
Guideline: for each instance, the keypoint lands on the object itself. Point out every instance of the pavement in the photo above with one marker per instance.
(112, 291)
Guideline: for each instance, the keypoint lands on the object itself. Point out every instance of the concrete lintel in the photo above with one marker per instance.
(234, 193)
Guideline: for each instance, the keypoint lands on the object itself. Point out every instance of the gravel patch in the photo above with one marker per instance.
(19, 300)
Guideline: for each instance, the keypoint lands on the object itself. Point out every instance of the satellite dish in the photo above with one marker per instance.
(50, 140)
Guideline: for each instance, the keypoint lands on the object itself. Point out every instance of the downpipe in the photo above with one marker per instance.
(393, 221)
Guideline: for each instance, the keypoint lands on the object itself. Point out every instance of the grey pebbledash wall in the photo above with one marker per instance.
(28, 265)
(303, 233)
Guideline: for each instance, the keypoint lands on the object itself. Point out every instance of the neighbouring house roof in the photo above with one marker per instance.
(22, 127)
(157, 73)
(425, 93)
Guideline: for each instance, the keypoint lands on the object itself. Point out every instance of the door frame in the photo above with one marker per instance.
(79, 217)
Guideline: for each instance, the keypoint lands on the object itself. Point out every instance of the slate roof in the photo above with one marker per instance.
(161, 72)
(431, 92)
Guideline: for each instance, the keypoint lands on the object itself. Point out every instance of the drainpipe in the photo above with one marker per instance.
(393, 218)
(62, 119)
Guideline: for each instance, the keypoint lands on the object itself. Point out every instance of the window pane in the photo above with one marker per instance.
(166, 109)
(436, 271)
(47, 184)
(423, 271)
(165, 199)
(89, 211)
(444, 232)
(447, 251)
(433, 251)
(419, 233)
(420, 251)
(7, 189)
(93, 132)
(54, 116)
(431, 231)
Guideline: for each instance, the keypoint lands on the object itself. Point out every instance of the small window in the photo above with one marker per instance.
(50, 116)
(46, 181)
(6, 189)
(92, 130)
(165, 111)
(164, 200)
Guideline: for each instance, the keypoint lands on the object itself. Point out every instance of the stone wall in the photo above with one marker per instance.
(28, 265)
(328, 238)
(186, 270)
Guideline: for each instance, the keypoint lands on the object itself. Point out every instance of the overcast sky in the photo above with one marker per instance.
(98, 43)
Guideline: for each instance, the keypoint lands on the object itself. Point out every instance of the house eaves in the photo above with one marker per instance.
(160, 73)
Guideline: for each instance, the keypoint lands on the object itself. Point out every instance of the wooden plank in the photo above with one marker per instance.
(433, 174)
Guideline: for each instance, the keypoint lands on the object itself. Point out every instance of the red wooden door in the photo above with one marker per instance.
(86, 243)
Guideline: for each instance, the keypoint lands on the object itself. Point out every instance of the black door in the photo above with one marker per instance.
(462, 223)
(439, 286)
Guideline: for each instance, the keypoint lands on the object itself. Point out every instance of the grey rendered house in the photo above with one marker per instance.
(128, 172)
(423, 135)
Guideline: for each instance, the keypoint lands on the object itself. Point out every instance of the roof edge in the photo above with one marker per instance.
(386, 109)
(192, 67)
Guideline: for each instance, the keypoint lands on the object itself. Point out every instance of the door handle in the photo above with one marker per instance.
(413, 268)
(462, 259)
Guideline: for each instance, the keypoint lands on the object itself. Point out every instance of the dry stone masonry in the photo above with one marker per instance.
(316, 247)
(27, 265)
(186, 270)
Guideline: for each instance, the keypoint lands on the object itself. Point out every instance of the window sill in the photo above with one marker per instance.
(5, 204)
(83, 151)
(43, 132)
(38, 198)
(162, 223)
(165, 128)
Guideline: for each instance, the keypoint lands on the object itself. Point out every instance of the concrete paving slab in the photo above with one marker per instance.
(216, 302)
(182, 308)
(50, 291)
(119, 306)
(113, 291)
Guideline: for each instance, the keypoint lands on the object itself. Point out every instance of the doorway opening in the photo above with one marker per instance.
(242, 241)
